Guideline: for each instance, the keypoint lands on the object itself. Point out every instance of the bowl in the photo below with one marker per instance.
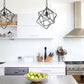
(35, 80)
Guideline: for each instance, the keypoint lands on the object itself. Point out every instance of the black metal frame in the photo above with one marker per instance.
(4, 15)
(46, 16)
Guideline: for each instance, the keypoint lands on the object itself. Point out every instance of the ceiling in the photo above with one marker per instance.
(63, 1)
(68, 1)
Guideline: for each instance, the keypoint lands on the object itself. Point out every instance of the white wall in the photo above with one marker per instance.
(11, 49)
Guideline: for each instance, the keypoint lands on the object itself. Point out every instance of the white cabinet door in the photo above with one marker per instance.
(1, 71)
(28, 28)
(49, 71)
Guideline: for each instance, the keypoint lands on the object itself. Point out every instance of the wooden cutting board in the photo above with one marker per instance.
(78, 79)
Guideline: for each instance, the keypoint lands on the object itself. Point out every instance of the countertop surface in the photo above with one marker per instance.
(32, 64)
(48, 80)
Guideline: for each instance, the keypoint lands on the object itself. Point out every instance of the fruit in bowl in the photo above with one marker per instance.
(35, 77)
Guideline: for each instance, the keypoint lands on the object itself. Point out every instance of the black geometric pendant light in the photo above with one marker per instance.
(6, 16)
(46, 17)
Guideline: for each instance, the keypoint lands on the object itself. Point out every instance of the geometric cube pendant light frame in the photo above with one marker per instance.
(6, 16)
(46, 17)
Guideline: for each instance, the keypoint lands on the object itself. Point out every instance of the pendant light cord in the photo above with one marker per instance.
(46, 13)
(46, 3)
(4, 4)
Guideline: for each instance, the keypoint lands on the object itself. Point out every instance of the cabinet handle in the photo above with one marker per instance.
(47, 70)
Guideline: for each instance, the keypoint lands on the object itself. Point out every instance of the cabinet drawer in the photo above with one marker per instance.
(57, 71)
(1, 71)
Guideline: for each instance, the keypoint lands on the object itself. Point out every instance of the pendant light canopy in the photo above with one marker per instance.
(6, 16)
(46, 17)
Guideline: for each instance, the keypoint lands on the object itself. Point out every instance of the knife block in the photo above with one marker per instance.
(48, 59)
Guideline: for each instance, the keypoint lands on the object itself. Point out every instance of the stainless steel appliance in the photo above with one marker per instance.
(74, 67)
(78, 31)
(16, 70)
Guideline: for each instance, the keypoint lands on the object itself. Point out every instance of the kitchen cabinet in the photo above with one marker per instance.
(50, 71)
(1, 71)
(28, 28)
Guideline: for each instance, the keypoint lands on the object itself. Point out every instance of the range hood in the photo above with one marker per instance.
(77, 31)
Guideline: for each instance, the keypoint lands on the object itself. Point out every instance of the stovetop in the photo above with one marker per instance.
(74, 62)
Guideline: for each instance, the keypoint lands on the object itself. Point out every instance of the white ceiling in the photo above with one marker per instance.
(67, 1)
(63, 1)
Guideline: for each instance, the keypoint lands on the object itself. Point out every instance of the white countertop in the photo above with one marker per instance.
(32, 64)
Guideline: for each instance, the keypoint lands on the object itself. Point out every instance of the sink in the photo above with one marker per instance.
(2, 62)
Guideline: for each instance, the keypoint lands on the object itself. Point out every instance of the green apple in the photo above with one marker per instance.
(31, 73)
(32, 77)
(43, 75)
(34, 73)
(39, 74)
(28, 76)
(36, 77)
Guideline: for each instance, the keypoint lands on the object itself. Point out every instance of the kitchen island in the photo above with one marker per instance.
(53, 68)
(48, 80)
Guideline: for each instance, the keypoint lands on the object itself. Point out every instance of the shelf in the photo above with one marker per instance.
(25, 38)
(12, 25)
(6, 38)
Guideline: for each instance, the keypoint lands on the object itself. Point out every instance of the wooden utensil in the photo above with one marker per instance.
(39, 58)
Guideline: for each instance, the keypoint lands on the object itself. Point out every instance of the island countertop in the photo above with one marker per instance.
(48, 80)
(32, 64)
